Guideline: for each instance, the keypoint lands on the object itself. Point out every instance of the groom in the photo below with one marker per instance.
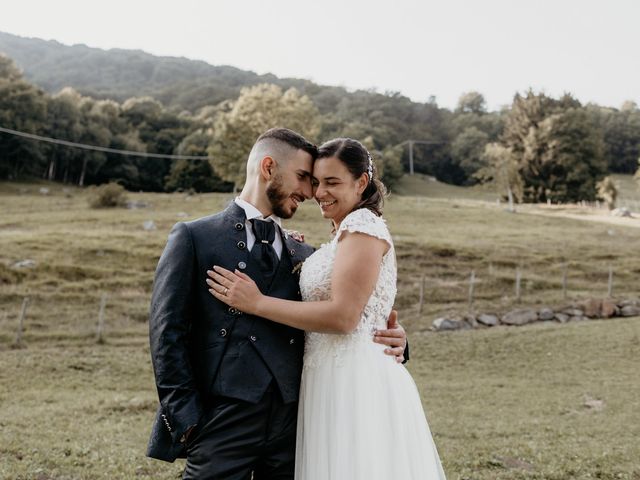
(228, 382)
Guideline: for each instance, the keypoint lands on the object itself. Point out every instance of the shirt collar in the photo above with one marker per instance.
(252, 212)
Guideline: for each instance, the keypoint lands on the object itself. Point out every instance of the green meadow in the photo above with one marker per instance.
(543, 401)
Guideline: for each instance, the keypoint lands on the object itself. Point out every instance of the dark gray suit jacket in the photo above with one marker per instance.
(200, 347)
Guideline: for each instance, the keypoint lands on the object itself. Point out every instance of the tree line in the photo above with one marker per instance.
(539, 148)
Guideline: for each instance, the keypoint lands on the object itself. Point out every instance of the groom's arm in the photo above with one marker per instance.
(395, 338)
(169, 325)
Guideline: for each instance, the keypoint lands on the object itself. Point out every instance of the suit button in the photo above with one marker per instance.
(232, 310)
(241, 245)
(292, 252)
(253, 338)
(242, 265)
(239, 226)
(292, 341)
(223, 332)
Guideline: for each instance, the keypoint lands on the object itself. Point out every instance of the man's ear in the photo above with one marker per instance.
(267, 167)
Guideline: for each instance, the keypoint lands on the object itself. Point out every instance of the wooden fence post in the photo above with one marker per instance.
(23, 314)
(472, 281)
(103, 304)
(421, 304)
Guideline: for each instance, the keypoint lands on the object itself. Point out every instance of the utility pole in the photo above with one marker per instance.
(411, 144)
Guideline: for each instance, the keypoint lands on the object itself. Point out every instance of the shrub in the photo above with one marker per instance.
(108, 195)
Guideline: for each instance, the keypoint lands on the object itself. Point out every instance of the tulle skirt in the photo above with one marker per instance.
(361, 418)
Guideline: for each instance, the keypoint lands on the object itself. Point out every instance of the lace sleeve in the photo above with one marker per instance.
(365, 221)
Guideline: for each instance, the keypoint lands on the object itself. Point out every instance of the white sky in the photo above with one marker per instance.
(419, 48)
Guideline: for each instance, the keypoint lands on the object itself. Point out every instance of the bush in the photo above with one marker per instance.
(108, 195)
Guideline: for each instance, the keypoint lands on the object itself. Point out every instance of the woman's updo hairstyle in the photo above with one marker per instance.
(358, 161)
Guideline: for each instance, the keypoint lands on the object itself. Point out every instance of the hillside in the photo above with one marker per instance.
(120, 74)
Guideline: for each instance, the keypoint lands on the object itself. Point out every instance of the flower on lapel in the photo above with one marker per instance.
(297, 268)
(297, 236)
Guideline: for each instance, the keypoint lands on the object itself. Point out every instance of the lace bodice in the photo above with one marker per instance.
(315, 285)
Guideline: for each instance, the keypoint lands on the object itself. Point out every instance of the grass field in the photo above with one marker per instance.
(503, 403)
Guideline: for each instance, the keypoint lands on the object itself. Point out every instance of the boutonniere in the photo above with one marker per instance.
(297, 236)
(297, 268)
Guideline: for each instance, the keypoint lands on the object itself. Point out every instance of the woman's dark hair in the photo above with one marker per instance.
(358, 161)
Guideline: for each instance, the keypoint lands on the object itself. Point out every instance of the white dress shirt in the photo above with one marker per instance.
(252, 212)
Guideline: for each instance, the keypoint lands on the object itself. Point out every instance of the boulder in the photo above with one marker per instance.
(488, 319)
(27, 263)
(592, 307)
(630, 311)
(442, 324)
(520, 317)
(573, 312)
(622, 212)
(546, 314)
(514, 463)
(624, 303)
(609, 309)
(149, 225)
(562, 317)
(136, 204)
(471, 320)
(593, 403)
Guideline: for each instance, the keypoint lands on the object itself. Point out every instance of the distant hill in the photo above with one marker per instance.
(119, 74)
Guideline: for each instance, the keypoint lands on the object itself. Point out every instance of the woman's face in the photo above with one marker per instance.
(335, 189)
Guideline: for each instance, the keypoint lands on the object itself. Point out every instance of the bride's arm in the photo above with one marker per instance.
(355, 273)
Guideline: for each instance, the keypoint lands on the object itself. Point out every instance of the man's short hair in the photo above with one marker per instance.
(291, 138)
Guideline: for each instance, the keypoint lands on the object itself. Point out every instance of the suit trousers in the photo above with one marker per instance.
(236, 439)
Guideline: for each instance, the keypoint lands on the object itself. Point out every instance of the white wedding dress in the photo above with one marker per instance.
(360, 415)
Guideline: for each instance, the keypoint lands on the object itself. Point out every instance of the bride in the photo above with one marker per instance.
(360, 415)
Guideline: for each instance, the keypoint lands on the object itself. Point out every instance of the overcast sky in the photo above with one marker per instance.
(419, 48)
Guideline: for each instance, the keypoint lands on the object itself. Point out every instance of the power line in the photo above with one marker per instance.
(84, 146)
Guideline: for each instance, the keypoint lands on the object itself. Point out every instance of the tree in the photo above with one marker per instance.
(23, 107)
(195, 175)
(161, 131)
(467, 151)
(388, 162)
(608, 192)
(637, 175)
(562, 160)
(621, 130)
(502, 170)
(558, 148)
(472, 102)
(255, 111)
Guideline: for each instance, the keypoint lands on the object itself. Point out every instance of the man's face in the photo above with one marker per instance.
(291, 184)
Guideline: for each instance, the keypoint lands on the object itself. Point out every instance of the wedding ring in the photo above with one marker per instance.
(225, 291)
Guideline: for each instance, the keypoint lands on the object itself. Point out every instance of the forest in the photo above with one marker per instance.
(538, 148)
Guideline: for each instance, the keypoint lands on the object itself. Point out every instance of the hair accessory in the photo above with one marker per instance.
(370, 168)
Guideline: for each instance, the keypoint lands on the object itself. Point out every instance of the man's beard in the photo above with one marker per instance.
(277, 197)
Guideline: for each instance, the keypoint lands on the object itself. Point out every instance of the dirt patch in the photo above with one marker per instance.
(582, 213)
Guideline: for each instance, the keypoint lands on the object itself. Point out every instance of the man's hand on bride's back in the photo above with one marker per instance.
(394, 337)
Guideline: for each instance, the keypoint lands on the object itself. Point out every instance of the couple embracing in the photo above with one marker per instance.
(275, 361)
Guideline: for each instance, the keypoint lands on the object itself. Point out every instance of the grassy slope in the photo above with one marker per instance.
(75, 409)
